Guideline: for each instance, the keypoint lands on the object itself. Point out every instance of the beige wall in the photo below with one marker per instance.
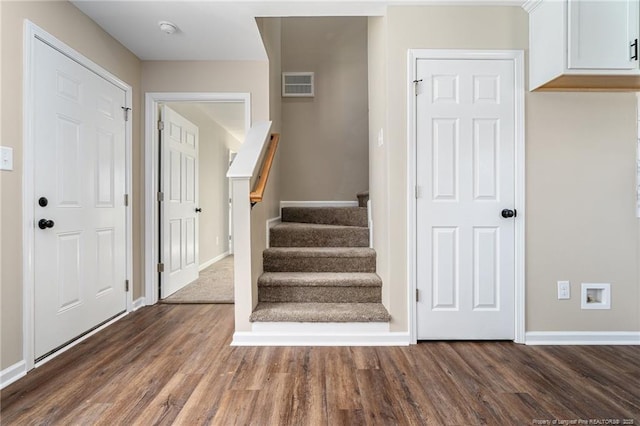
(581, 224)
(211, 76)
(67, 23)
(213, 163)
(580, 157)
(324, 148)
(378, 153)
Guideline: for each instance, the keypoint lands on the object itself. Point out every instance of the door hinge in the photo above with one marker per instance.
(126, 113)
(417, 192)
(126, 285)
(126, 200)
(415, 86)
(160, 196)
(160, 125)
(160, 267)
(417, 295)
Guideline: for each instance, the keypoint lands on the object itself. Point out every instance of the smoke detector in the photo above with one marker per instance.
(167, 27)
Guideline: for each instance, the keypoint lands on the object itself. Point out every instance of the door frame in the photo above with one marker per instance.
(32, 33)
(517, 57)
(151, 252)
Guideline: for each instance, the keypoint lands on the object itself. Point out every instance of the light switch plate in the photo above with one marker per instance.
(6, 158)
(564, 290)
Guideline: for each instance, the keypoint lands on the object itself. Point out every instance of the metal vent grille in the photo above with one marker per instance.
(297, 84)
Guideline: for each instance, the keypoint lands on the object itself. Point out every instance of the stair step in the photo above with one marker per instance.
(363, 198)
(345, 216)
(320, 287)
(288, 234)
(319, 259)
(320, 312)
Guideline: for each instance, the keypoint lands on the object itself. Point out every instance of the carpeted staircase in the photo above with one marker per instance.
(319, 268)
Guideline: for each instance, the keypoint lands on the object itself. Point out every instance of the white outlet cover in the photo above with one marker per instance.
(564, 290)
(6, 158)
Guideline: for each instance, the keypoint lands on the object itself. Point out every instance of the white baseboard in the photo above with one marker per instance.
(210, 262)
(318, 204)
(270, 224)
(320, 334)
(139, 303)
(582, 338)
(12, 373)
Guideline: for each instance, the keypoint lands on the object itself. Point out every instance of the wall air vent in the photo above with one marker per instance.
(297, 84)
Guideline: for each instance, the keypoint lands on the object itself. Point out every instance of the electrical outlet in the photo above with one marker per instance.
(217, 240)
(564, 290)
(6, 158)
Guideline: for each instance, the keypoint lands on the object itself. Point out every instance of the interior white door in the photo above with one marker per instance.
(179, 210)
(465, 176)
(80, 173)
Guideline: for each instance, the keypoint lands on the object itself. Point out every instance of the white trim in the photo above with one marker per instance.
(254, 146)
(289, 327)
(31, 33)
(517, 56)
(138, 303)
(318, 204)
(151, 172)
(321, 334)
(583, 338)
(531, 5)
(12, 373)
(270, 224)
(210, 262)
(370, 222)
(79, 340)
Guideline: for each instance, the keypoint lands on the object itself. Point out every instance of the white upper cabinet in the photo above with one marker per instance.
(603, 34)
(584, 44)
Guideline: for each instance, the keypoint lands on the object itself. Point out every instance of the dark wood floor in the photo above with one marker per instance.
(172, 364)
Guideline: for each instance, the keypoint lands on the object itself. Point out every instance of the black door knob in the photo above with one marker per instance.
(42, 201)
(507, 213)
(198, 210)
(44, 224)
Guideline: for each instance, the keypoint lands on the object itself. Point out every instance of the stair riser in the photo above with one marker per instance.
(353, 237)
(321, 294)
(326, 216)
(319, 264)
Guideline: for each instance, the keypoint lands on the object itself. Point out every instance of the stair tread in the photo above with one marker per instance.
(313, 279)
(347, 216)
(317, 226)
(320, 252)
(319, 312)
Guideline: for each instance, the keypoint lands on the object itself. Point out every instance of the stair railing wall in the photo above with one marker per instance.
(241, 173)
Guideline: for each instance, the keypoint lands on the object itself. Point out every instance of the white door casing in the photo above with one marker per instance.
(76, 149)
(467, 258)
(179, 145)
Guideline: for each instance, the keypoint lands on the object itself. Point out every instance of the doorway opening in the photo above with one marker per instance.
(220, 122)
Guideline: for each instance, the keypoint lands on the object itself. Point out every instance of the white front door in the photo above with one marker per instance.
(465, 177)
(179, 210)
(80, 171)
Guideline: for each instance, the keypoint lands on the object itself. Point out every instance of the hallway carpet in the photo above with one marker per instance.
(215, 285)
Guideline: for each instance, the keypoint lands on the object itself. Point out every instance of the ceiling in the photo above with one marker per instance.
(219, 29)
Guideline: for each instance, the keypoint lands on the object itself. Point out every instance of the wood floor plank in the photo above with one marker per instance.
(173, 364)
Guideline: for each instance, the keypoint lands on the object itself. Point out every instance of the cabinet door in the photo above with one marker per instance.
(600, 34)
